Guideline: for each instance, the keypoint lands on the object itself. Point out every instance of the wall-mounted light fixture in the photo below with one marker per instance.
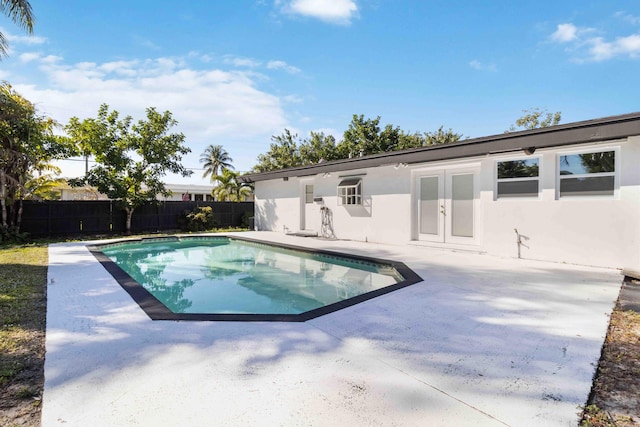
(529, 151)
(326, 174)
(285, 178)
(399, 165)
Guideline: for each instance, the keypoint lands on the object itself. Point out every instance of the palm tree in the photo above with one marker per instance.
(215, 158)
(19, 11)
(229, 187)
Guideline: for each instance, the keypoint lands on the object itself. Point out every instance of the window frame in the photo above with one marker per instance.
(615, 174)
(307, 199)
(497, 180)
(345, 198)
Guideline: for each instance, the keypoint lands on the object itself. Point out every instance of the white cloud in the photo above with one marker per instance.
(281, 65)
(292, 99)
(477, 65)
(585, 46)
(332, 11)
(635, 20)
(565, 33)
(29, 56)
(601, 50)
(28, 40)
(239, 61)
(212, 105)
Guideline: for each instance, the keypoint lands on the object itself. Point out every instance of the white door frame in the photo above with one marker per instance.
(442, 230)
(304, 206)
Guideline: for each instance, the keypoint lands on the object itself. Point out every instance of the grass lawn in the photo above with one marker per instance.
(615, 399)
(23, 303)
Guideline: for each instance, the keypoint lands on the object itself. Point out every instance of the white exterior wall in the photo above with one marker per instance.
(598, 231)
(601, 231)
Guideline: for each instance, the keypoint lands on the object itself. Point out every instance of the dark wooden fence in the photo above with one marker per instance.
(57, 218)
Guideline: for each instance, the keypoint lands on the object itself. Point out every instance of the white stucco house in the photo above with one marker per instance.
(568, 193)
(179, 192)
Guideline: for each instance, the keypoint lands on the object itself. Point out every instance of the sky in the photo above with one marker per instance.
(235, 73)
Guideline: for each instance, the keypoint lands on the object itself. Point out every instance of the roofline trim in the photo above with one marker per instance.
(594, 130)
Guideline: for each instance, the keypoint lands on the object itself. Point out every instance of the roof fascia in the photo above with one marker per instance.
(596, 130)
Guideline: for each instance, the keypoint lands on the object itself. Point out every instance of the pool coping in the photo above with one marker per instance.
(156, 310)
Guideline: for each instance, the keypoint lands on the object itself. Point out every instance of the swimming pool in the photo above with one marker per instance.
(230, 278)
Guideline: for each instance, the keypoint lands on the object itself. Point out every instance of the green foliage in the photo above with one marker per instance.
(23, 278)
(27, 146)
(536, 118)
(20, 12)
(132, 158)
(230, 188)
(283, 153)
(199, 219)
(441, 136)
(363, 137)
(595, 417)
(247, 219)
(318, 148)
(215, 158)
(12, 234)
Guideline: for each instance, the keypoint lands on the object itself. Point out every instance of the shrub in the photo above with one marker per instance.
(247, 220)
(199, 219)
(11, 235)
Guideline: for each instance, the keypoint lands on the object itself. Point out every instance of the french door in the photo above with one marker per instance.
(446, 206)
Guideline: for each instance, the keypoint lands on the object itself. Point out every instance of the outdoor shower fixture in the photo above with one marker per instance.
(519, 242)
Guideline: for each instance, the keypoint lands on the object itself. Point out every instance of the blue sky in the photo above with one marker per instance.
(236, 72)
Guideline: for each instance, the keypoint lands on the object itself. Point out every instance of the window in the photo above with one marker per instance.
(518, 178)
(587, 174)
(308, 193)
(198, 197)
(350, 191)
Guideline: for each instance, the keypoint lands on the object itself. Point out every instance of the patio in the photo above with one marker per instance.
(482, 341)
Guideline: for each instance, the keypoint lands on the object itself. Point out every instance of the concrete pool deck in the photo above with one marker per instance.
(482, 341)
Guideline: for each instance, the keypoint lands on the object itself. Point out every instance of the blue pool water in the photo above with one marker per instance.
(222, 275)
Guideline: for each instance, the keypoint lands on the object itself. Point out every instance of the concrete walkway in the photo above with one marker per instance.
(482, 341)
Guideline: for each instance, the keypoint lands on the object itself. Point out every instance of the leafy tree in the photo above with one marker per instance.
(215, 158)
(536, 118)
(283, 153)
(132, 158)
(363, 137)
(230, 188)
(20, 12)
(319, 147)
(44, 186)
(441, 137)
(27, 148)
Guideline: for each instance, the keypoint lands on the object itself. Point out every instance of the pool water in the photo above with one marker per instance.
(223, 275)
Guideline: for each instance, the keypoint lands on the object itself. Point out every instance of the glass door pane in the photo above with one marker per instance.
(429, 205)
(462, 205)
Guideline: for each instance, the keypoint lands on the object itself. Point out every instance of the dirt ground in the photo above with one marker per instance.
(615, 397)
